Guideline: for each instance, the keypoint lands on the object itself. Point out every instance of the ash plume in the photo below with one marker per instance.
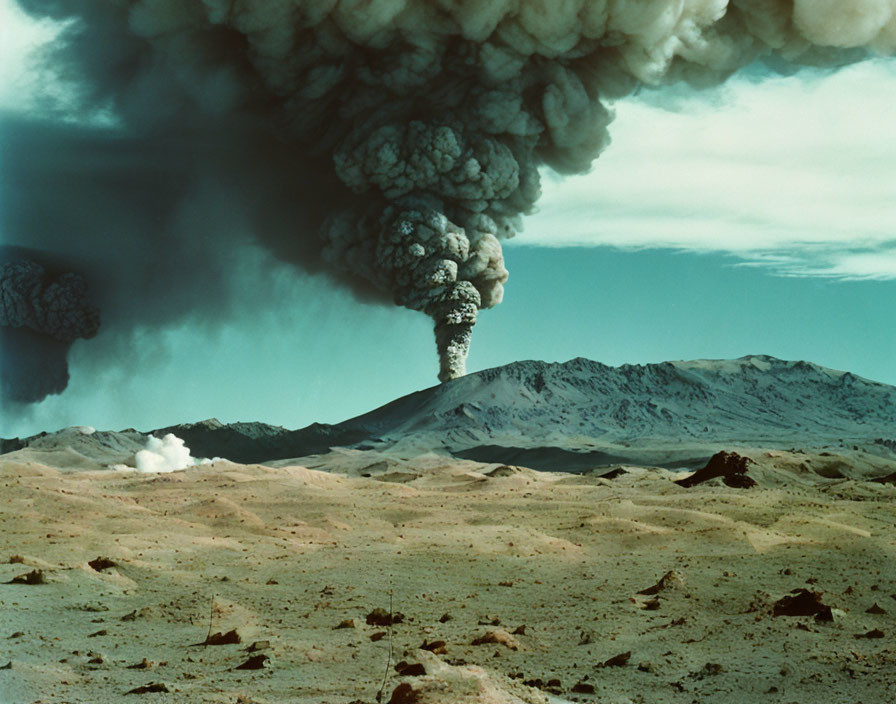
(41, 314)
(390, 143)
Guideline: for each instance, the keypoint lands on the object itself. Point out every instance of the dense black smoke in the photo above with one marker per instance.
(41, 314)
(394, 141)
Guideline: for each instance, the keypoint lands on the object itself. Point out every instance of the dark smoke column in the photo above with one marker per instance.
(41, 315)
(454, 314)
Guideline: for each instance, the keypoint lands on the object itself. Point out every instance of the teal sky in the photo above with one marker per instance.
(327, 361)
(754, 218)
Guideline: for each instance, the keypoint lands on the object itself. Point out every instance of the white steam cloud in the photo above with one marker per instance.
(395, 141)
(167, 454)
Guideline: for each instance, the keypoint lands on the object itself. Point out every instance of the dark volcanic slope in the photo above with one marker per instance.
(549, 413)
(751, 399)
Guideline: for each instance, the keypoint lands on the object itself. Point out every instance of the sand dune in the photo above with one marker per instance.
(286, 554)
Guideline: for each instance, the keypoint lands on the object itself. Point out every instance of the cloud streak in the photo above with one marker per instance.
(795, 173)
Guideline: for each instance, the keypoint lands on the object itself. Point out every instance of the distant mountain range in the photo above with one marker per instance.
(577, 415)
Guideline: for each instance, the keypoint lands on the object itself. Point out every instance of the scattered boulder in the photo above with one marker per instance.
(503, 471)
(667, 581)
(498, 637)
(730, 466)
(437, 647)
(31, 578)
(889, 479)
(803, 602)
(617, 660)
(404, 694)
(149, 688)
(407, 669)
(710, 669)
(256, 662)
(229, 638)
(101, 563)
(552, 686)
(381, 617)
(347, 623)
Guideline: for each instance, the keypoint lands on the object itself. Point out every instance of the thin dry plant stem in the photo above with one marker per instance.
(211, 616)
(379, 695)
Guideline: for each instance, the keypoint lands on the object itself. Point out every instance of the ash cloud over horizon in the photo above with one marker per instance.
(389, 144)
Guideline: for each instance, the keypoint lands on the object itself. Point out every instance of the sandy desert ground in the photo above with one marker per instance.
(546, 568)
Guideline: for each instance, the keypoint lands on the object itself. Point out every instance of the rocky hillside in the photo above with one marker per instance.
(581, 413)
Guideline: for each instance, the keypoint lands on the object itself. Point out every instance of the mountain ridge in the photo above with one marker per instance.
(570, 411)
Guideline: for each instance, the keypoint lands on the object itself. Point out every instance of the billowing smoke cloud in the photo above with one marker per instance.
(392, 143)
(41, 314)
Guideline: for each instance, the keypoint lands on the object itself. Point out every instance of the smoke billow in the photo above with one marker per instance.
(41, 314)
(391, 143)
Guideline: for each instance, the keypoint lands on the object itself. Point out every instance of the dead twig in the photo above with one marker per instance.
(379, 695)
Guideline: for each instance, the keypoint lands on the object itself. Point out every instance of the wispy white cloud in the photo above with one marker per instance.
(19, 36)
(797, 173)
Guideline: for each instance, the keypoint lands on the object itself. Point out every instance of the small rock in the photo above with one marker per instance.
(149, 688)
(31, 578)
(802, 602)
(381, 617)
(101, 563)
(348, 623)
(437, 647)
(379, 635)
(229, 638)
(585, 638)
(875, 633)
(709, 669)
(668, 580)
(497, 637)
(444, 618)
(617, 660)
(877, 610)
(404, 694)
(256, 662)
(103, 632)
(406, 669)
(258, 645)
(583, 688)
